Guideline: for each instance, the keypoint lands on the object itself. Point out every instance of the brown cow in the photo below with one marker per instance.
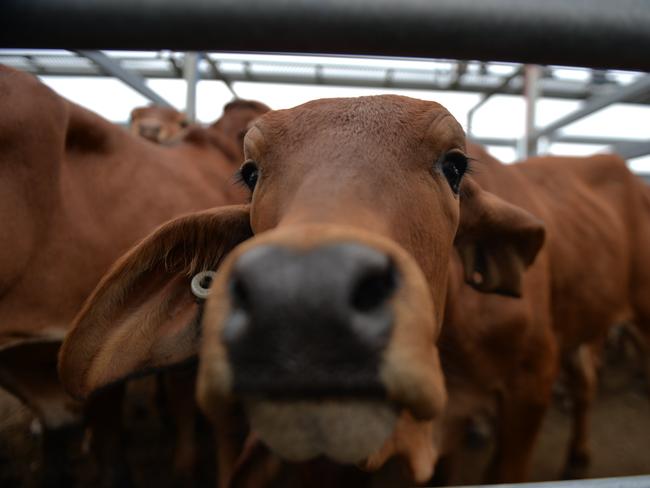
(323, 325)
(75, 193)
(168, 126)
(237, 118)
(592, 274)
(156, 123)
(501, 354)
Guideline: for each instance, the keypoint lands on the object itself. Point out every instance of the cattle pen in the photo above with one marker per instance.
(596, 34)
(490, 49)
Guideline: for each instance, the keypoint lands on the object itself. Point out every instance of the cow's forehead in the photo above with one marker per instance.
(387, 118)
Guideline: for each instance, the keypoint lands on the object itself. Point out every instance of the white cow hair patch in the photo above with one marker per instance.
(346, 431)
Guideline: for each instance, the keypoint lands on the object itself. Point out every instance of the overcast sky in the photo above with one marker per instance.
(501, 116)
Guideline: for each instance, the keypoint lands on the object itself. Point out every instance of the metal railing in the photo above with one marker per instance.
(621, 482)
(593, 33)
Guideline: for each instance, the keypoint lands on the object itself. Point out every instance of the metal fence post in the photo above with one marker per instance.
(191, 75)
(528, 146)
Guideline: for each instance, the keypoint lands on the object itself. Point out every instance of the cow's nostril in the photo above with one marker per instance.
(374, 288)
(240, 295)
(309, 322)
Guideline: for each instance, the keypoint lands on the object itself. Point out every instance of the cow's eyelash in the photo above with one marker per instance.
(238, 178)
(469, 168)
(470, 165)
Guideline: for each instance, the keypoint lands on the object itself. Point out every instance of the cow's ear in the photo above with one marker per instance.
(496, 240)
(143, 314)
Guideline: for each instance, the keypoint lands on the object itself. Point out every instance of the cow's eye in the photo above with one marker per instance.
(454, 166)
(248, 174)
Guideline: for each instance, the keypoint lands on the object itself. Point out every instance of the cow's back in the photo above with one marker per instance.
(597, 233)
(596, 230)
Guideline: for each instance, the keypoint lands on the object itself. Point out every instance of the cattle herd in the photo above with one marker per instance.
(337, 292)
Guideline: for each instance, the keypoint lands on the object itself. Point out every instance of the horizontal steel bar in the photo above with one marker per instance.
(494, 141)
(640, 87)
(111, 67)
(299, 72)
(622, 482)
(593, 140)
(594, 33)
(589, 140)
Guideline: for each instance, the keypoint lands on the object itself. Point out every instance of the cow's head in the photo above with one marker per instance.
(324, 323)
(158, 124)
(238, 116)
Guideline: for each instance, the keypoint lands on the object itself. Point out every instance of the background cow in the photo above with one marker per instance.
(167, 125)
(75, 193)
(156, 123)
(593, 273)
(238, 115)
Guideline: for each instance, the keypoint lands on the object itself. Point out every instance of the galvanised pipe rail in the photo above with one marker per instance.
(296, 71)
(592, 33)
(622, 482)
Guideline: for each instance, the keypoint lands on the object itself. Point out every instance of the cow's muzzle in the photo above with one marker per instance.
(325, 334)
(309, 322)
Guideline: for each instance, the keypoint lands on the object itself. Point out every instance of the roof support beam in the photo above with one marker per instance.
(113, 68)
(489, 94)
(587, 140)
(638, 88)
(331, 73)
(594, 140)
(216, 73)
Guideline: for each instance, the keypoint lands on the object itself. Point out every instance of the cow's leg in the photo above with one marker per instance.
(447, 466)
(142, 399)
(580, 368)
(28, 371)
(59, 444)
(256, 467)
(105, 419)
(640, 290)
(180, 388)
(522, 406)
(519, 424)
(639, 334)
(230, 432)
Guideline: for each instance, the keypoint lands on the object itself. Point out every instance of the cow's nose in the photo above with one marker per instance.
(309, 321)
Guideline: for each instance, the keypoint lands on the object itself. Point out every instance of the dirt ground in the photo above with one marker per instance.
(620, 428)
(620, 442)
